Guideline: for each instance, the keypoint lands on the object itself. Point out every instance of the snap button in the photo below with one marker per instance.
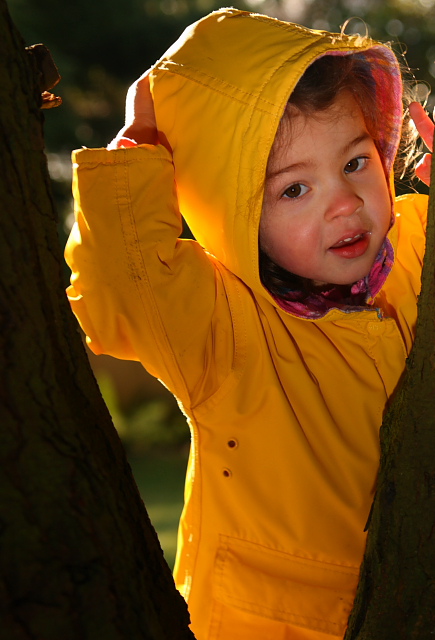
(232, 443)
(227, 473)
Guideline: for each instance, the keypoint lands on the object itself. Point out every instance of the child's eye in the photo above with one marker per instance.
(356, 164)
(295, 190)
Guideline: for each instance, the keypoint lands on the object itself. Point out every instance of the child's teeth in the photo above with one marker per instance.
(358, 235)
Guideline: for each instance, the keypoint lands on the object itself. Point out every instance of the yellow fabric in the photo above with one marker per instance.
(284, 412)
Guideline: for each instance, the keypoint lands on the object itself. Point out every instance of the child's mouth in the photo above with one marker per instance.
(352, 246)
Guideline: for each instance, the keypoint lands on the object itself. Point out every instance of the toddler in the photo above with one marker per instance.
(284, 327)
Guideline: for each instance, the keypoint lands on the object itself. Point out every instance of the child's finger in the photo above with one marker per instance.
(119, 142)
(424, 124)
(139, 106)
(423, 168)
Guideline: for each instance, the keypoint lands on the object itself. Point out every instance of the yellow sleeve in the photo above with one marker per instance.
(139, 291)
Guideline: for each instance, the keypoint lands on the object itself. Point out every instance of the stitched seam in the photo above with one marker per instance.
(240, 341)
(248, 543)
(285, 614)
(85, 163)
(167, 66)
(135, 258)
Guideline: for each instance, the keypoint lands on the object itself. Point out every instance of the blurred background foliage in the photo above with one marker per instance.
(100, 47)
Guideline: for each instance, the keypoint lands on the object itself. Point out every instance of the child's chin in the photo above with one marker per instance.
(338, 282)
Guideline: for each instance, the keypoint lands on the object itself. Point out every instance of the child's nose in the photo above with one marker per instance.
(343, 202)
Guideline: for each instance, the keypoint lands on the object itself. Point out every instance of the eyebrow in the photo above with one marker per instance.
(356, 141)
(304, 165)
(288, 168)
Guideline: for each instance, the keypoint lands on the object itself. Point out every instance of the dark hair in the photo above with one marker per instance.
(316, 91)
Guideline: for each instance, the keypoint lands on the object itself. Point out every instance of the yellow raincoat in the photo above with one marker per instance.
(284, 411)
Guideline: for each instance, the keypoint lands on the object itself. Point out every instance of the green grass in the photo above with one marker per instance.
(160, 479)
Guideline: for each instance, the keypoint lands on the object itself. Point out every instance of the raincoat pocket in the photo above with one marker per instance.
(263, 586)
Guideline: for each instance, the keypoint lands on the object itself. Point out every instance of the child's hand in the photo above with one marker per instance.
(140, 121)
(425, 127)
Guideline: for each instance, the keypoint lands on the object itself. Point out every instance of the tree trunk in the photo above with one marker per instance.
(396, 592)
(78, 556)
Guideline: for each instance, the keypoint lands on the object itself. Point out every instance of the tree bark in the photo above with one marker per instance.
(396, 592)
(78, 556)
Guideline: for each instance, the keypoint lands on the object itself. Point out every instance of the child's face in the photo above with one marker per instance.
(327, 206)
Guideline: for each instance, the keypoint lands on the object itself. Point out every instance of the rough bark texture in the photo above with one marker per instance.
(396, 593)
(78, 556)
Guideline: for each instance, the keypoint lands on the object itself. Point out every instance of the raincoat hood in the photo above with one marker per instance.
(220, 92)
